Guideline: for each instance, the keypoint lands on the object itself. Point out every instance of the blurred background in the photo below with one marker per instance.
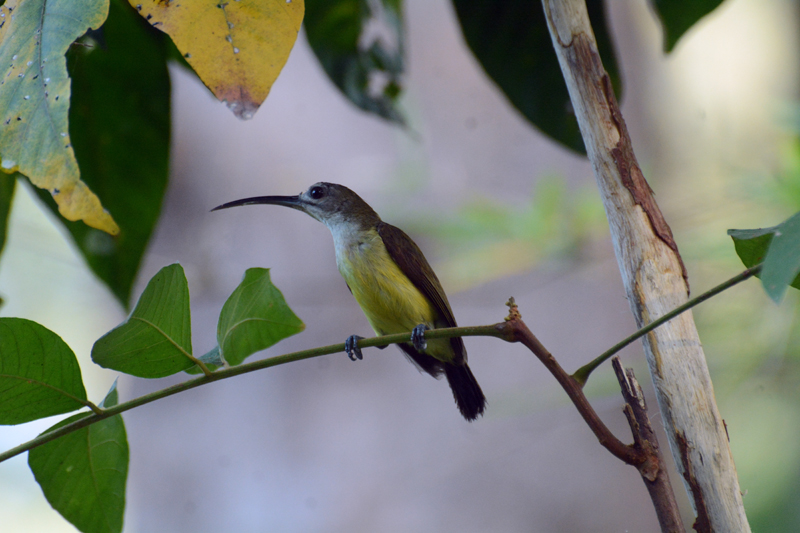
(500, 210)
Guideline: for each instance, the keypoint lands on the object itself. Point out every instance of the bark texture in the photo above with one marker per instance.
(654, 277)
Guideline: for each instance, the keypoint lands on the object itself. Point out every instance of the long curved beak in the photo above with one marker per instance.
(295, 202)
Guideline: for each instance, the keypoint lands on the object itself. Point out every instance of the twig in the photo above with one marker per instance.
(652, 470)
(582, 374)
(514, 329)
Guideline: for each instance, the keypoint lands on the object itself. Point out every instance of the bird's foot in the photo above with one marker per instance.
(418, 337)
(352, 349)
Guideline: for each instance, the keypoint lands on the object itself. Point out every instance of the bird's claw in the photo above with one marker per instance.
(418, 337)
(352, 349)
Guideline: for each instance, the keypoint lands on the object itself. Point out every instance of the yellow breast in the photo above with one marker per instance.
(391, 303)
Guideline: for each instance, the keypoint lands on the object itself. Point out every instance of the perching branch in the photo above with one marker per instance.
(644, 453)
(512, 330)
(101, 414)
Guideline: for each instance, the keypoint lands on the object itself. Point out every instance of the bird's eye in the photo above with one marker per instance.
(316, 193)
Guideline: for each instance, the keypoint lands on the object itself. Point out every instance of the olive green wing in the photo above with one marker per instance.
(409, 258)
(413, 264)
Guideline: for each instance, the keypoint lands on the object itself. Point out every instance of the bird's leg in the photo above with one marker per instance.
(418, 337)
(352, 349)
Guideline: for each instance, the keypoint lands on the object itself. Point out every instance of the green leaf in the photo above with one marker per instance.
(778, 248)
(34, 100)
(7, 186)
(112, 396)
(120, 130)
(678, 16)
(782, 264)
(156, 339)
(254, 318)
(511, 41)
(39, 374)
(83, 473)
(751, 244)
(368, 73)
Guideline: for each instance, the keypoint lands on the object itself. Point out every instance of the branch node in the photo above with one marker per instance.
(95, 409)
(513, 310)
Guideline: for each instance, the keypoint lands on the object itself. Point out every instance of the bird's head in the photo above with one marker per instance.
(330, 203)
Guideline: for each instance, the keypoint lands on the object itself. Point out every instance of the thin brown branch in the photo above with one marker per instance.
(653, 469)
(644, 453)
(515, 330)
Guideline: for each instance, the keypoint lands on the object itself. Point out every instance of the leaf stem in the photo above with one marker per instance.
(582, 374)
(201, 364)
(95, 409)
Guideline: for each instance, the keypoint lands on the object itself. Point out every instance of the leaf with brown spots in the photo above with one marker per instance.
(35, 96)
(237, 47)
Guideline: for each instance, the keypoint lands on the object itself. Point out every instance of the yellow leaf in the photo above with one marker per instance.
(237, 47)
(34, 100)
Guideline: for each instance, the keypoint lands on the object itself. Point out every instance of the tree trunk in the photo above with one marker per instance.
(654, 278)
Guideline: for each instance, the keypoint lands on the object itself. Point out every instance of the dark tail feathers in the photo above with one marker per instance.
(468, 394)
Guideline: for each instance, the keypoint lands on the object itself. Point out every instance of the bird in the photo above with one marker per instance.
(392, 282)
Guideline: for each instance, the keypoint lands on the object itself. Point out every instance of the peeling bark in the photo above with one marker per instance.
(654, 278)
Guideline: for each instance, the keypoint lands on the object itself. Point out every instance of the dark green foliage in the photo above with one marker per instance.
(120, 130)
(511, 41)
(7, 186)
(368, 76)
(677, 16)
